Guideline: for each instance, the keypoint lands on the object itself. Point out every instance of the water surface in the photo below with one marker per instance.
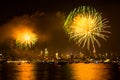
(75, 71)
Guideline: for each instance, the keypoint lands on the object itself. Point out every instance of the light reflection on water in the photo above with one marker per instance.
(91, 71)
(75, 71)
(17, 72)
(26, 72)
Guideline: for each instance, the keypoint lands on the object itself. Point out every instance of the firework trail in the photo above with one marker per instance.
(85, 25)
(26, 38)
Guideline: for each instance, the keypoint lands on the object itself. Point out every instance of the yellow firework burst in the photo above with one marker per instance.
(85, 25)
(26, 38)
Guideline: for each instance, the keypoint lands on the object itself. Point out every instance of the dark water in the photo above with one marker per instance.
(76, 71)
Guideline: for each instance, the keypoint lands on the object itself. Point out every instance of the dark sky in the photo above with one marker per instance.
(18, 8)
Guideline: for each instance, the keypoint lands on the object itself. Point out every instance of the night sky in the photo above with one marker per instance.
(48, 17)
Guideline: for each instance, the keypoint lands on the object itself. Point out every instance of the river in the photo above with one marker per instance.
(74, 71)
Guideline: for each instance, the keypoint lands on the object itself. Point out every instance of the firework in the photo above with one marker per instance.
(26, 38)
(85, 25)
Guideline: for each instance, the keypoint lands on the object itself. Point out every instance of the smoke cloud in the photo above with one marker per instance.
(47, 26)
